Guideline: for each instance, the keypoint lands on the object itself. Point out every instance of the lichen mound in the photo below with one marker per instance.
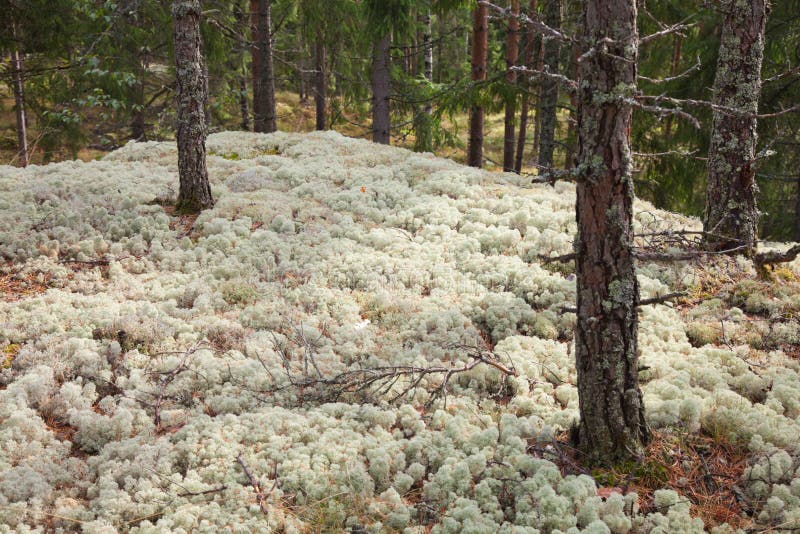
(157, 381)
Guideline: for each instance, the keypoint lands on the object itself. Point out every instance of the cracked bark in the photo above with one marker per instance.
(731, 215)
(612, 426)
(195, 192)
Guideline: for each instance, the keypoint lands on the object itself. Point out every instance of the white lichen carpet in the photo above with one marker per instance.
(137, 392)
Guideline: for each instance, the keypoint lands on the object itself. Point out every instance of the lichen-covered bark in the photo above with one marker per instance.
(512, 53)
(264, 116)
(731, 216)
(381, 86)
(549, 88)
(612, 426)
(480, 50)
(195, 192)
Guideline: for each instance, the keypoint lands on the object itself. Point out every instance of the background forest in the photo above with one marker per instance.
(93, 74)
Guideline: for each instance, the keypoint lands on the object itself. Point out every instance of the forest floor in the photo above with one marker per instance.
(361, 337)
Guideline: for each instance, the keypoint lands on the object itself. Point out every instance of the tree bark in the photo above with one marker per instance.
(426, 43)
(264, 117)
(241, 41)
(530, 52)
(195, 191)
(381, 86)
(423, 122)
(612, 426)
(18, 87)
(731, 216)
(512, 54)
(549, 89)
(19, 105)
(480, 49)
(320, 84)
(255, 64)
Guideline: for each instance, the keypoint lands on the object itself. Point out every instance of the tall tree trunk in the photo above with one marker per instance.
(18, 87)
(195, 192)
(512, 54)
(797, 211)
(731, 216)
(612, 425)
(572, 122)
(673, 71)
(549, 87)
(320, 83)
(427, 40)
(264, 118)
(537, 123)
(423, 122)
(255, 64)
(19, 104)
(241, 42)
(530, 53)
(480, 50)
(381, 87)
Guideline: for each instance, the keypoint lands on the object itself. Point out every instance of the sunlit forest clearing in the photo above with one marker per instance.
(399, 266)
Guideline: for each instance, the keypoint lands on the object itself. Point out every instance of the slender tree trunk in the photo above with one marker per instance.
(381, 87)
(423, 122)
(530, 52)
(673, 71)
(241, 41)
(572, 123)
(19, 104)
(537, 123)
(264, 118)
(612, 425)
(320, 83)
(480, 50)
(195, 192)
(731, 216)
(797, 212)
(18, 88)
(427, 39)
(512, 54)
(549, 88)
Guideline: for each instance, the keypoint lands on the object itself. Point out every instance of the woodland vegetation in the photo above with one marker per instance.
(194, 325)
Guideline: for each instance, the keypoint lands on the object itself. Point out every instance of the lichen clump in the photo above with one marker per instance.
(139, 386)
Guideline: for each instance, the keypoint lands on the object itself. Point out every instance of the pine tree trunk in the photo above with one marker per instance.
(612, 426)
(512, 54)
(320, 84)
(255, 64)
(549, 88)
(264, 118)
(381, 86)
(18, 84)
(731, 216)
(241, 41)
(195, 192)
(480, 49)
(530, 52)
